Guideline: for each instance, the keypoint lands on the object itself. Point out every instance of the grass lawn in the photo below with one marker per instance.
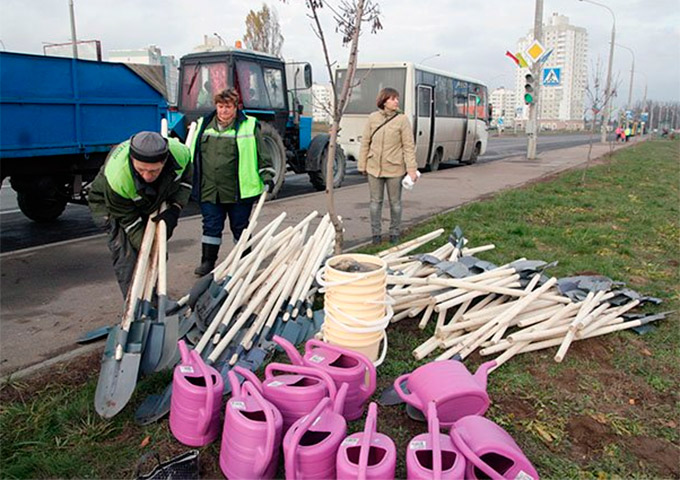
(611, 409)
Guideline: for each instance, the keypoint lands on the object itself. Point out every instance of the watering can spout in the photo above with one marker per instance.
(482, 373)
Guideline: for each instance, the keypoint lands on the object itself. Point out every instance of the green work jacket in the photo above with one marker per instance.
(119, 192)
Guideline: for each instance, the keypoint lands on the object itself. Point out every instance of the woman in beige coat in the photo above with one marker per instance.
(387, 154)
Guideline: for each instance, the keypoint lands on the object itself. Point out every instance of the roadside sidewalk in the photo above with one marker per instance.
(52, 295)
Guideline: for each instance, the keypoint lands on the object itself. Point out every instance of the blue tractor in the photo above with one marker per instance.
(269, 90)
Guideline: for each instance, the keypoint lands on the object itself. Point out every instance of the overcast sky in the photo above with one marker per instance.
(471, 37)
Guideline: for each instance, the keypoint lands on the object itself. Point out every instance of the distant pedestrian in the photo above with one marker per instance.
(628, 132)
(620, 136)
(387, 154)
(231, 168)
(137, 177)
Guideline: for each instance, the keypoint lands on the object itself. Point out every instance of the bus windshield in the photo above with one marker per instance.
(368, 83)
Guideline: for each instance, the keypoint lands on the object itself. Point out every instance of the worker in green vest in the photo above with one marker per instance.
(138, 176)
(232, 167)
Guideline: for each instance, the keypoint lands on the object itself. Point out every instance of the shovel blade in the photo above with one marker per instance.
(153, 349)
(170, 354)
(95, 334)
(154, 407)
(117, 381)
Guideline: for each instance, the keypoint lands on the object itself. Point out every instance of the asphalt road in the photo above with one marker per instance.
(18, 232)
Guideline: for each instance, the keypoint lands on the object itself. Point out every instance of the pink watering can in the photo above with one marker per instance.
(310, 446)
(196, 400)
(432, 455)
(252, 433)
(343, 365)
(367, 455)
(295, 393)
(490, 451)
(450, 385)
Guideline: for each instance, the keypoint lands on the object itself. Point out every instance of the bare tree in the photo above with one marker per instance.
(349, 16)
(596, 99)
(263, 32)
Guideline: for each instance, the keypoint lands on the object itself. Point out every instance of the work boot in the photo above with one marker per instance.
(394, 239)
(376, 240)
(208, 258)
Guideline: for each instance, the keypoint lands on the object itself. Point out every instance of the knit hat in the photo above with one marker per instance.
(148, 147)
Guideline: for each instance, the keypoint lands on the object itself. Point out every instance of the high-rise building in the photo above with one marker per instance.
(563, 77)
(322, 104)
(503, 101)
(152, 55)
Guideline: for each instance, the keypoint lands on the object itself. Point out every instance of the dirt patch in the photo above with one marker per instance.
(661, 454)
(588, 437)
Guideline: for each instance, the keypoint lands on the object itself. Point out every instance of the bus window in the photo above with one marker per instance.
(443, 94)
(424, 102)
(368, 83)
(461, 93)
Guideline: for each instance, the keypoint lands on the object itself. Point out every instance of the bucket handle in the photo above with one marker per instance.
(433, 427)
(269, 417)
(248, 375)
(472, 456)
(325, 285)
(379, 325)
(367, 439)
(302, 427)
(289, 348)
(369, 388)
(410, 398)
(302, 370)
(209, 400)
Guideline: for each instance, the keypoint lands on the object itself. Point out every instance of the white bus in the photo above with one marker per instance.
(449, 112)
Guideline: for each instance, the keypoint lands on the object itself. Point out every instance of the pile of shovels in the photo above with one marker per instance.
(264, 287)
(146, 339)
(512, 308)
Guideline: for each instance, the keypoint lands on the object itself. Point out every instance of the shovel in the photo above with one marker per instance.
(154, 330)
(123, 354)
(170, 351)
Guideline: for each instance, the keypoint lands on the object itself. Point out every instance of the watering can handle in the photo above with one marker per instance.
(290, 465)
(367, 439)
(248, 375)
(409, 398)
(233, 381)
(472, 456)
(368, 389)
(184, 352)
(316, 373)
(269, 416)
(433, 427)
(289, 348)
(209, 400)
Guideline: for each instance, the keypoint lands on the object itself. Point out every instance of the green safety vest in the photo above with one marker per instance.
(250, 183)
(118, 171)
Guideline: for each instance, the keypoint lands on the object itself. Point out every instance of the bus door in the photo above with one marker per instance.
(424, 124)
(471, 128)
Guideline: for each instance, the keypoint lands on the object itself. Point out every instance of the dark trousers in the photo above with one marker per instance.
(123, 254)
(215, 214)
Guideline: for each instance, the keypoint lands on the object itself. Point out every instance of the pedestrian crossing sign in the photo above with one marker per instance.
(551, 76)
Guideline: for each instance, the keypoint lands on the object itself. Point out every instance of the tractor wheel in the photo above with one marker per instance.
(318, 178)
(274, 146)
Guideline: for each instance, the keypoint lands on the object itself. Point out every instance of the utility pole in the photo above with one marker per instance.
(532, 126)
(74, 40)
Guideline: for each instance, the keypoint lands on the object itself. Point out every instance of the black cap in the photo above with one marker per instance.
(149, 147)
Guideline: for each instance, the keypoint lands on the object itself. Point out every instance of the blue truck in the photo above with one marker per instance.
(59, 117)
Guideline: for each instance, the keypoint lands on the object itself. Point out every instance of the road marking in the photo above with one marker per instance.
(17, 210)
(50, 245)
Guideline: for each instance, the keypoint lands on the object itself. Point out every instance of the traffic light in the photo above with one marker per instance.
(529, 96)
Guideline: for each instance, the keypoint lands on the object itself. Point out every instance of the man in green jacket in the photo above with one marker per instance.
(231, 168)
(137, 177)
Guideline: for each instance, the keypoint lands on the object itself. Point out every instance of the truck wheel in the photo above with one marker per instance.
(318, 178)
(274, 145)
(41, 208)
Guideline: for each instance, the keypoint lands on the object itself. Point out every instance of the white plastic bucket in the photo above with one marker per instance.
(356, 305)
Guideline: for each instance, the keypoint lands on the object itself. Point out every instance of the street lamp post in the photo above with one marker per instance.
(607, 91)
(74, 40)
(632, 74)
(430, 57)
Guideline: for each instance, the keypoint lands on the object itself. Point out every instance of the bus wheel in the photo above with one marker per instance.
(475, 154)
(274, 145)
(433, 166)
